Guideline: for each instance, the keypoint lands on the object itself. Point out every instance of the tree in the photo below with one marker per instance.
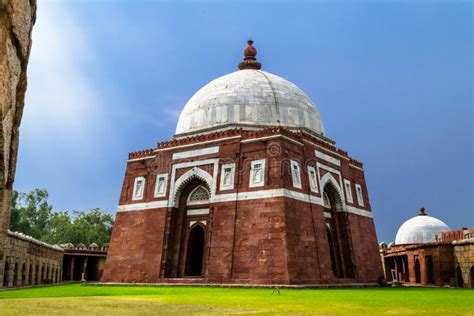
(32, 215)
(60, 230)
(93, 226)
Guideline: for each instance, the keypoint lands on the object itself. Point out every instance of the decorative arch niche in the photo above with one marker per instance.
(328, 179)
(192, 174)
(199, 196)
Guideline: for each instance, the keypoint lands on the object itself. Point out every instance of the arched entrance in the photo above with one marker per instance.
(186, 238)
(417, 271)
(195, 251)
(459, 279)
(337, 236)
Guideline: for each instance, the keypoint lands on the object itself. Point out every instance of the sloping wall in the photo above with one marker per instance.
(16, 22)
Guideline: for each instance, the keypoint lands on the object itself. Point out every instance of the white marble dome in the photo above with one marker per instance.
(420, 229)
(249, 98)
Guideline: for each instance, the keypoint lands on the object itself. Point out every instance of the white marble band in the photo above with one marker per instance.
(244, 196)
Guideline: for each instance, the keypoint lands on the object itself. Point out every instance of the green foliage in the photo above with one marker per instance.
(32, 215)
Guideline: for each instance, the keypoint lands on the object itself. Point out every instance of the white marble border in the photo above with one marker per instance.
(261, 183)
(199, 211)
(328, 158)
(142, 206)
(297, 183)
(360, 195)
(142, 194)
(157, 178)
(244, 196)
(348, 190)
(224, 187)
(314, 188)
(196, 152)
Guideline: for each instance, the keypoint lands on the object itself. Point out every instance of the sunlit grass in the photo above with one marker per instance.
(145, 300)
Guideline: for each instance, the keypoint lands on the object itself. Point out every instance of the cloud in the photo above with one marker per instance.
(61, 103)
(165, 111)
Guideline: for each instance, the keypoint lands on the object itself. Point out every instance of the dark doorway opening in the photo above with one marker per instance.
(429, 270)
(472, 277)
(92, 271)
(195, 252)
(417, 271)
(332, 252)
(67, 265)
(405, 269)
(30, 276)
(42, 275)
(23, 274)
(390, 264)
(78, 269)
(459, 279)
(37, 275)
(15, 275)
(6, 269)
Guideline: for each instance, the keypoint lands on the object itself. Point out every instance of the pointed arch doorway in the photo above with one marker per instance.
(186, 239)
(337, 235)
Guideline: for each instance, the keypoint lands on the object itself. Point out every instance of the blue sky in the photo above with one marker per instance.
(392, 79)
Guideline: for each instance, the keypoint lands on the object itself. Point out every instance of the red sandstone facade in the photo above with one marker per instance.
(308, 221)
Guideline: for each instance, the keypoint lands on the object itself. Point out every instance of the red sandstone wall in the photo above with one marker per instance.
(134, 253)
(260, 250)
(365, 248)
(220, 260)
(306, 240)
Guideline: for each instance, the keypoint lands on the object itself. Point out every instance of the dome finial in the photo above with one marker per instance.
(250, 61)
(422, 212)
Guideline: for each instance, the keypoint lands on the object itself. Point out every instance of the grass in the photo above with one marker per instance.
(77, 299)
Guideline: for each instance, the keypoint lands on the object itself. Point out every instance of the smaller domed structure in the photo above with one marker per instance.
(420, 229)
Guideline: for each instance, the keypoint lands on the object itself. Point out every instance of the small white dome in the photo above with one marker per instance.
(249, 97)
(420, 229)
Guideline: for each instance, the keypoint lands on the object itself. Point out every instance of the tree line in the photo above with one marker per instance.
(31, 214)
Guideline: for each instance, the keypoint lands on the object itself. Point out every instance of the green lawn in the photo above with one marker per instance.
(151, 300)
